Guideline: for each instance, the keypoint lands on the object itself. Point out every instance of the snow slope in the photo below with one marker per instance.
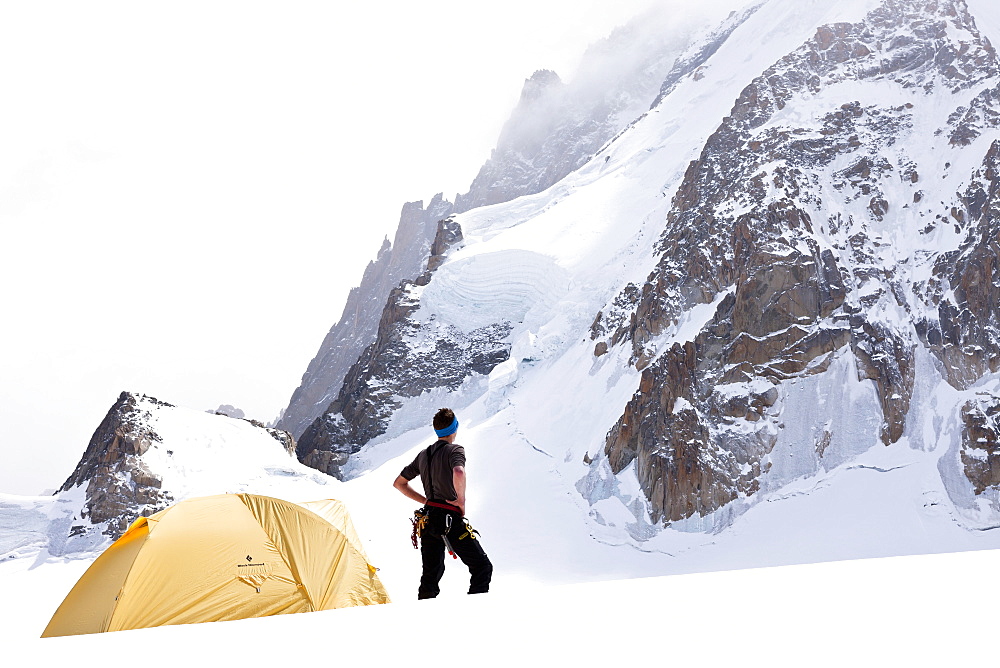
(538, 530)
(572, 248)
(912, 611)
(197, 454)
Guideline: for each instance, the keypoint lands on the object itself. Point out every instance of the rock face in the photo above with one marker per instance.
(816, 237)
(119, 485)
(964, 288)
(555, 128)
(407, 359)
(121, 473)
(980, 454)
(531, 153)
(283, 437)
(358, 326)
(827, 256)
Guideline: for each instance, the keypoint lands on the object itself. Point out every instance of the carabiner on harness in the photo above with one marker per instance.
(469, 531)
(419, 521)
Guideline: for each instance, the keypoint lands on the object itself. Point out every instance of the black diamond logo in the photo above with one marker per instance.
(249, 558)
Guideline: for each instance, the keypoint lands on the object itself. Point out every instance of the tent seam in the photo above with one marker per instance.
(293, 571)
(128, 574)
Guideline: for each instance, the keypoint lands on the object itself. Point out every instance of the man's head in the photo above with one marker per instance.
(445, 423)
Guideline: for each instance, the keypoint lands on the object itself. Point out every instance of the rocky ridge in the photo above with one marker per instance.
(837, 231)
(407, 359)
(794, 231)
(838, 227)
(119, 485)
(115, 473)
(358, 325)
(555, 128)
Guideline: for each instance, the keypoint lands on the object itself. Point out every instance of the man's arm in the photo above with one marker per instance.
(403, 485)
(458, 479)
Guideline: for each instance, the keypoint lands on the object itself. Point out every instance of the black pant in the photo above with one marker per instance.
(465, 544)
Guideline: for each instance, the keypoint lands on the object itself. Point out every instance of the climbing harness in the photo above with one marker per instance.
(443, 506)
(421, 521)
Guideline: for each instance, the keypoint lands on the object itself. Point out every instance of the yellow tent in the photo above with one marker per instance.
(218, 558)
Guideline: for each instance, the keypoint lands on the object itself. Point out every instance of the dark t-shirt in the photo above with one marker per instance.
(446, 457)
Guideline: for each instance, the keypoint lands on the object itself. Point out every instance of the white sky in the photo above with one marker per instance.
(189, 190)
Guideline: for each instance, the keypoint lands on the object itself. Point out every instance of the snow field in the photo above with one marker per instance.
(917, 611)
(203, 454)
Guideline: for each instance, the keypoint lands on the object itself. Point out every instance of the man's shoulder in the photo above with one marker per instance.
(412, 470)
(455, 453)
(442, 446)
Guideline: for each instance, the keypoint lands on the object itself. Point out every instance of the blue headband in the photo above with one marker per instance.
(449, 430)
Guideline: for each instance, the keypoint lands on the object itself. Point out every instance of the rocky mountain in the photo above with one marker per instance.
(119, 485)
(844, 242)
(786, 262)
(555, 128)
(358, 325)
(762, 312)
(145, 455)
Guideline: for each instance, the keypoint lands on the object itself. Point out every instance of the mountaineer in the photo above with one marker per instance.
(440, 524)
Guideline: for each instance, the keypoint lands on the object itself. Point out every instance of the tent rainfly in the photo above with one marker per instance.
(218, 558)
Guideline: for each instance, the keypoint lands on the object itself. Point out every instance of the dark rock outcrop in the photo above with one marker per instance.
(281, 436)
(394, 368)
(980, 453)
(119, 487)
(965, 286)
(555, 128)
(358, 326)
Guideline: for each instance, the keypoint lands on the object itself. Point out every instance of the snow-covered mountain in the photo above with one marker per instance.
(145, 455)
(556, 127)
(753, 324)
(782, 269)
